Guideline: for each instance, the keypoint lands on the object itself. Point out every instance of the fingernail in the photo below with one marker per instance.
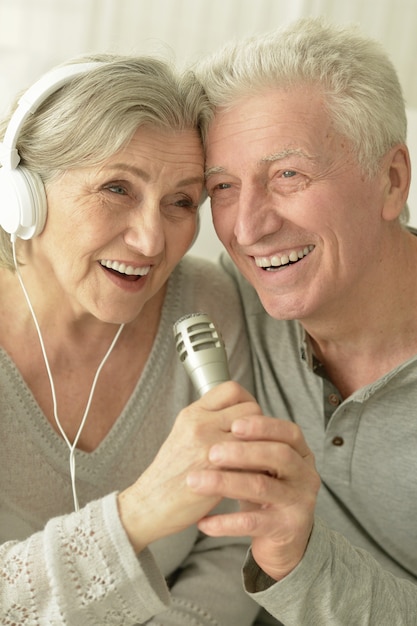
(193, 481)
(216, 454)
(240, 427)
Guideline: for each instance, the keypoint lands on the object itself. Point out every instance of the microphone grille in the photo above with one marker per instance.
(195, 332)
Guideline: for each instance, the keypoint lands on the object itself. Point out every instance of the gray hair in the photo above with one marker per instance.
(95, 114)
(360, 84)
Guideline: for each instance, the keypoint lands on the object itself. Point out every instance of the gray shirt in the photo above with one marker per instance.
(361, 562)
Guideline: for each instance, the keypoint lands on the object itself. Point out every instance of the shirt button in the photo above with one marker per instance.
(333, 399)
(338, 441)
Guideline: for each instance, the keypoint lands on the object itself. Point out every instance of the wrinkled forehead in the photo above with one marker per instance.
(277, 122)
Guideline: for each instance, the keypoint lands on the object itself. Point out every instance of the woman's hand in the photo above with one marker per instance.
(268, 466)
(160, 502)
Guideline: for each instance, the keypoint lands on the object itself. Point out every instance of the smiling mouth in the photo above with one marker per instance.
(127, 272)
(278, 261)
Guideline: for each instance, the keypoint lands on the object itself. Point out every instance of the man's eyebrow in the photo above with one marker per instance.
(269, 158)
(283, 154)
(210, 171)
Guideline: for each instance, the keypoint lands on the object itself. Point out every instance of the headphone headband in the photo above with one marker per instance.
(30, 102)
(23, 203)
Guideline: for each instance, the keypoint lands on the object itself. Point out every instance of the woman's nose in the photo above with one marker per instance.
(145, 231)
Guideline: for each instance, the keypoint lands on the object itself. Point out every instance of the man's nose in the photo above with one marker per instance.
(257, 215)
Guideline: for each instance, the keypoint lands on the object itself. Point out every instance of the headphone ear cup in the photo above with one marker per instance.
(23, 205)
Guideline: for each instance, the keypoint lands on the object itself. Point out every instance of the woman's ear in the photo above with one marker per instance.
(397, 172)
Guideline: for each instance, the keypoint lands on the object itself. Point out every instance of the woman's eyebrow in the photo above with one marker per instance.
(137, 171)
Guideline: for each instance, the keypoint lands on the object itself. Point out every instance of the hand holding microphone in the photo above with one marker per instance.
(257, 454)
(167, 505)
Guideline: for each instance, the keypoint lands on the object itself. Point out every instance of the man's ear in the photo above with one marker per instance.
(397, 172)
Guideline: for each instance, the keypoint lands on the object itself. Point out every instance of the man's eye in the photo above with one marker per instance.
(289, 181)
(212, 190)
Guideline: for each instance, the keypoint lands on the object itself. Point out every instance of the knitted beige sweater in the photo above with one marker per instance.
(59, 567)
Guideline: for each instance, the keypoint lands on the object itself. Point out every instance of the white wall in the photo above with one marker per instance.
(35, 35)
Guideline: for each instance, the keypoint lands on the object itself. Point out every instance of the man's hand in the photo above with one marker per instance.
(268, 466)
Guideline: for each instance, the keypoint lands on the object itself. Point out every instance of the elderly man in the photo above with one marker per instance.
(308, 174)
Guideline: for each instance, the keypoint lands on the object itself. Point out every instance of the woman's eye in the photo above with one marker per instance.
(117, 189)
(178, 207)
(185, 203)
(289, 173)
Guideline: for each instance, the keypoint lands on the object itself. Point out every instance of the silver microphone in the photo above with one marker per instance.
(201, 350)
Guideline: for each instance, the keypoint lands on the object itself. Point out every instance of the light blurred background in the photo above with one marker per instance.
(36, 35)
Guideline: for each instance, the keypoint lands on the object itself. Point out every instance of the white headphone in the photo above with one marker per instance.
(23, 205)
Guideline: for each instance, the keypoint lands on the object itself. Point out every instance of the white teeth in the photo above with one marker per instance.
(129, 270)
(277, 261)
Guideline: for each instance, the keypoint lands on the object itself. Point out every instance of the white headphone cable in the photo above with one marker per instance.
(51, 382)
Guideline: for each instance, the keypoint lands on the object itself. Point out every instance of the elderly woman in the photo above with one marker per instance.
(97, 524)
